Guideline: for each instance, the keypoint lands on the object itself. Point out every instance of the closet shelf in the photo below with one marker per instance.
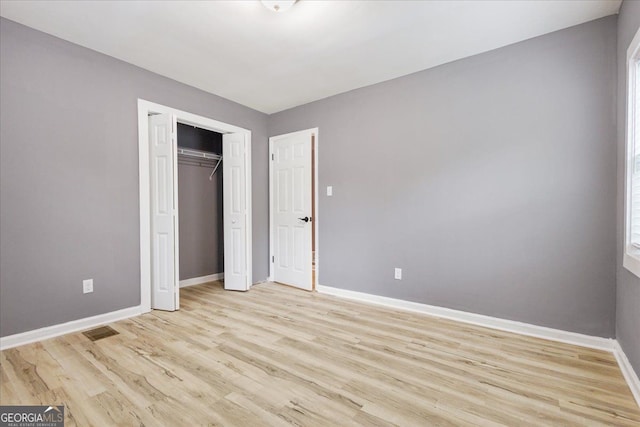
(202, 155)
(200, 158)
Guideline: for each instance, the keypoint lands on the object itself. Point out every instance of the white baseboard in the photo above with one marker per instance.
(200, 280)
(68, 327)
(476, 319)
(628, 372)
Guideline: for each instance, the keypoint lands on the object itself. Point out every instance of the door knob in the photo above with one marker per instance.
(305, 219)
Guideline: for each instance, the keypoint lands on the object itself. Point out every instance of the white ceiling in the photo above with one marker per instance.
(274, 61)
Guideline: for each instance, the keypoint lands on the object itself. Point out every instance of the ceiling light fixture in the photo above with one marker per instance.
(278, 5)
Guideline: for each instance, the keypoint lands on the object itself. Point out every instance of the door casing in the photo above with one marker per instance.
(145, 108)
(315, 223)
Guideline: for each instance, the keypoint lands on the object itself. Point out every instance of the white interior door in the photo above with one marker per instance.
(164, 268)
(235, 211)
(290, 187)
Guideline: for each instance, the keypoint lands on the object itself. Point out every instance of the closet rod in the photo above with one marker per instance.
(193, 162)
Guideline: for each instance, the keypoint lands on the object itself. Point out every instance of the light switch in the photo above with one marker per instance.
(87, 286)
(329, 191)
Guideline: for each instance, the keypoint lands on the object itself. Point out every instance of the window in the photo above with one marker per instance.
(632, 200)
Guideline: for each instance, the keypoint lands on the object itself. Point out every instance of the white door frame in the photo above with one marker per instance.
(315, 222)
(144, 109)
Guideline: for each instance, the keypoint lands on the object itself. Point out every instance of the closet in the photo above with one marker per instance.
(200, 203)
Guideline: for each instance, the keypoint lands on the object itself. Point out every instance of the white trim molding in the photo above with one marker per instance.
(631, 253)
(68, 327)
(200, 280)
(627, 371)
(599, 343)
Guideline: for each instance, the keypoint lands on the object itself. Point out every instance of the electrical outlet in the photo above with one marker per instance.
(398, 274)
(87, 286)
(329, 191)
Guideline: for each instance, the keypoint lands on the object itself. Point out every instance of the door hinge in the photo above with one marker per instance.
(273, 259)
(272, 157)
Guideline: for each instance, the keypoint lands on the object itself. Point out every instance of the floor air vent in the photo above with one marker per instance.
(99, 333)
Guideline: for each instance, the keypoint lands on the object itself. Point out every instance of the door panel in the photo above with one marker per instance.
(299, 248)
(291, 197)
(164, 271)
(234, 166)
(299, 183)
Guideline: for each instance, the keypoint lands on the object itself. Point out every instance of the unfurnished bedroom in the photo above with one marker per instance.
(320, 213)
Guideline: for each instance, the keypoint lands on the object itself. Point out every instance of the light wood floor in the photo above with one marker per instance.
(279, 356)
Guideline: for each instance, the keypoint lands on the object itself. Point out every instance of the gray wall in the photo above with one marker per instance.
(69, 173)
(490, 181)
(628, 306)
(200, 221)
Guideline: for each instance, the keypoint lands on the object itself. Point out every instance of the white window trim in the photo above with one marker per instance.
(631, 259)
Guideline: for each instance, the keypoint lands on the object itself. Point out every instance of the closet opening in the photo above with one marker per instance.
(164, 229)
(200, 204)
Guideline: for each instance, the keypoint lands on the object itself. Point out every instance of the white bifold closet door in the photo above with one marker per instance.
(235, 210)
(164, 224)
